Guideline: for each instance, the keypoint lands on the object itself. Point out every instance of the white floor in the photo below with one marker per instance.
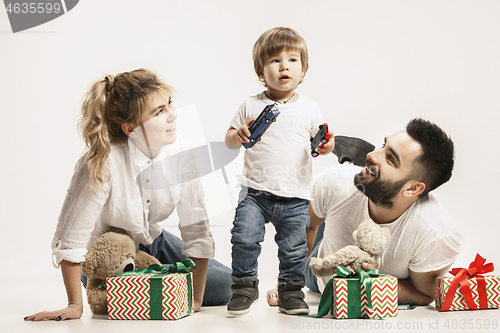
(374, 65)
(263, 318)
(38, 287)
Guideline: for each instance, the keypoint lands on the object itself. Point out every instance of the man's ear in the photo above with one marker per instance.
(129, 129)
(414, 188)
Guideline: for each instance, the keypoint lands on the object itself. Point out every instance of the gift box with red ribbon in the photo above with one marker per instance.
(155, 292)
(469, 289)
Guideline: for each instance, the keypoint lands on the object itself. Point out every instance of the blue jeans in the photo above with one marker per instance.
(167, 248)
(290, 219)
(311, 279)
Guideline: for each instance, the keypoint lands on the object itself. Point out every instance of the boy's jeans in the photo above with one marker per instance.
(290, 218)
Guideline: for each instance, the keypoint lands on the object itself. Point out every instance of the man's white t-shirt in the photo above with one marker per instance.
(281, 162)
(423, 239)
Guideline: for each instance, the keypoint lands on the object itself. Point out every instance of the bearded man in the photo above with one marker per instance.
(393, 190)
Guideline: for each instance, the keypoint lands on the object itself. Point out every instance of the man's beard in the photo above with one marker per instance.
(380, 192)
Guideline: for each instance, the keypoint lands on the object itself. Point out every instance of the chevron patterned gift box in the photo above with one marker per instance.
(492, 284)
(469, 289)
(384, 297)
(164, 296)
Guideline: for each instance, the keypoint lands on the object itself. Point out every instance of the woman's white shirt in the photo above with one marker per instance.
(139, 194)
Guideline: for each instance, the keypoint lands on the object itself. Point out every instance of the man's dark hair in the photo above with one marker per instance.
(435, 165)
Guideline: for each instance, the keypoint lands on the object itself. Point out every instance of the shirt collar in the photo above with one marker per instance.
(141, 160)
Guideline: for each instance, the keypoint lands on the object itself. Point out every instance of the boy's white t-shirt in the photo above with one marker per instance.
(423, 239)
(281, 162)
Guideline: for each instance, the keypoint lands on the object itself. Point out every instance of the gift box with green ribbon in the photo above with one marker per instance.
(469, 289)
(155, 292)
(359, 294)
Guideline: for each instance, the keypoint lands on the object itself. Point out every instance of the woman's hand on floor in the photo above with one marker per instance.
(73, 311)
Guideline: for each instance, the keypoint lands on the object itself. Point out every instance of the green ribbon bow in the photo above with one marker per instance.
(179, 267)
(156, 280)
(354, 291)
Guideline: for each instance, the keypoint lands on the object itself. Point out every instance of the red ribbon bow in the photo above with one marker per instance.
(475, 268)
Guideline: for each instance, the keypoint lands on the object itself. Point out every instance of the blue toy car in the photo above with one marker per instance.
(261, 124)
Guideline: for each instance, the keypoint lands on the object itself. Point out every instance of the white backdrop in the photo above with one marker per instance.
(373, 66)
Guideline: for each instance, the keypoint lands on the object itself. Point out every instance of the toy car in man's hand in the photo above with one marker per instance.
(319, 139)
(261, 124)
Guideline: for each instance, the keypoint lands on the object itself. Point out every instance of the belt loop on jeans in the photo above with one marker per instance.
(260, 192)
(145, 248)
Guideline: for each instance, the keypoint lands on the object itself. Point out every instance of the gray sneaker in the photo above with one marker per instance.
(291, 298)
(350, 149)
(245, 294)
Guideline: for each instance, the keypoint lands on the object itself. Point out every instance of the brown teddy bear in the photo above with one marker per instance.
(370, 239)
(112, 253)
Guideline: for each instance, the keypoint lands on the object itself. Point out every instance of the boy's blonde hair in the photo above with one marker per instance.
(108, 104)
(274, 41)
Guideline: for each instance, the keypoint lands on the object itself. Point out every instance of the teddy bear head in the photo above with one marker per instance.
(112, 253)
(371, 237)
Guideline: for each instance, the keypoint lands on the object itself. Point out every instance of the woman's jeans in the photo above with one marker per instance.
(290, 219)
(167, 248)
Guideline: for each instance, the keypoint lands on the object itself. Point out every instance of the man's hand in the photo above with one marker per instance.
(366, 266)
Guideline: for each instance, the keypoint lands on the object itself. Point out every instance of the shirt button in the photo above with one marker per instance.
(148, 201)
(147, 180)
(149, 162)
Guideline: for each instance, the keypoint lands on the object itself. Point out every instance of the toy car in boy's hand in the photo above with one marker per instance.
(261, 124)
(319, 139)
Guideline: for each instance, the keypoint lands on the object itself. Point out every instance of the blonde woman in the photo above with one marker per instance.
(128, 124)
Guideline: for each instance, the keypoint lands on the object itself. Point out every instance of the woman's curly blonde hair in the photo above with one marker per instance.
(111, 102)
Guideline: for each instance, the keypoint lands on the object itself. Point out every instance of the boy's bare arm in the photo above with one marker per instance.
(231, 139)
(235, 137)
